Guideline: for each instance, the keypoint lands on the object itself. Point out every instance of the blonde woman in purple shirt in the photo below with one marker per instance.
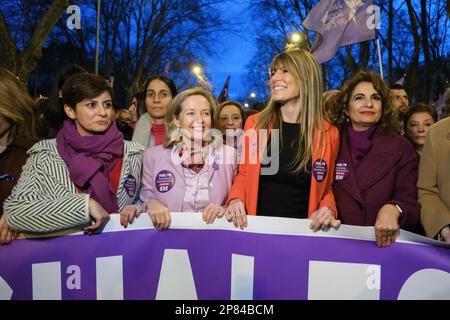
(193, 171)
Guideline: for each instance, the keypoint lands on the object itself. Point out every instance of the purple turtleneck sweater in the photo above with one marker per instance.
(360, 143)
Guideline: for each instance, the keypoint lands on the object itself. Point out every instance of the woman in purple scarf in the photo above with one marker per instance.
(85, 174)
(376, 169)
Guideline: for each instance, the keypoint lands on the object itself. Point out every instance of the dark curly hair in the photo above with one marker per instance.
(340, 102)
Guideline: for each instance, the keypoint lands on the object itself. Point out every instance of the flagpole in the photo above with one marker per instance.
(97, 37)
(379, 58)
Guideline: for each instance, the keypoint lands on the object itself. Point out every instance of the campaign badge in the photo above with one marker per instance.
(320, 170)
(341, 170)
(130, 185)
(165, 180)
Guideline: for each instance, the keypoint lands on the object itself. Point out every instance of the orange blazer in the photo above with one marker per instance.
(246, 183)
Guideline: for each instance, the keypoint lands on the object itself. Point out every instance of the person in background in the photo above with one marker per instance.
(445, 112)
(230, 119)
(328, 101)
(86, 173)
(417, 121)
(18, 132)
(52, 110)
(126, 119)
(301, 186)
(376, 171)
(190, 172)
(400, 102)
(434, 182)
(150, 129)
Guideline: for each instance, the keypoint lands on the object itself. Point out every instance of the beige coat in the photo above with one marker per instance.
(434, 179)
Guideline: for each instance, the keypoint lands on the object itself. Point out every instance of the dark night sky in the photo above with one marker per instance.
(234, 52)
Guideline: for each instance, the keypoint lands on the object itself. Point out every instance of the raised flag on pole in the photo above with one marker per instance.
(440, 103)
(223, 96)
(339, 23)
(167, 68)
(400, 81)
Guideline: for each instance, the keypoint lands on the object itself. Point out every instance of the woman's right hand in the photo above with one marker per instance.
(6, 233)
(159, 214)
(98, 214)
(236, 213)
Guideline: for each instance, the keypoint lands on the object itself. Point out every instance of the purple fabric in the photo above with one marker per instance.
(163, 178)
(338, 24)
(281, 262)
(360, 143)
(387, 174)
(89, 159)
(440, 103)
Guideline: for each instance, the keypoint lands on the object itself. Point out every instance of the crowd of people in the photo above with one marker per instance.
(359, 155)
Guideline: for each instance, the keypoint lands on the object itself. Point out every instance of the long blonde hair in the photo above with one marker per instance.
(304, 68)
(18, 108)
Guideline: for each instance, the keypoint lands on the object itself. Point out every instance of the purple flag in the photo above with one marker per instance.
(224, 93)
(440, 103)
(400, 81)
(339, 23)
(167, 68)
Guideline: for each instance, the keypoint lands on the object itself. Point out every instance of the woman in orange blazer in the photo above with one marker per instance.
(290, 150)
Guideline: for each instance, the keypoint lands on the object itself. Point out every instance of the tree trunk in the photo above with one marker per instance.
(23, 63)
(389, 46)
(413, 66)
(424, 95)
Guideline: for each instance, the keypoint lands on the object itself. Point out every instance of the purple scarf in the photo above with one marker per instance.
(360, 143)
(89, 159)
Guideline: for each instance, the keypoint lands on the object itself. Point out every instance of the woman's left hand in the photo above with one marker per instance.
(386, 225)
(211, 212)
(323, 219)
(128, 214)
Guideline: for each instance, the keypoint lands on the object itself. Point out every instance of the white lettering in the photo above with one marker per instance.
(46, 280)
(242, 270)
(176, 281)
(5, 290)
(338, 280)
(109, 278)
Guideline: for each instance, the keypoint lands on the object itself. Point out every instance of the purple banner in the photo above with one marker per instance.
(202, 262)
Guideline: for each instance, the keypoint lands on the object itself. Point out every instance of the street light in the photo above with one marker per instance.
(295, 40)
(197, 70)
(252, 95)
(296, 37)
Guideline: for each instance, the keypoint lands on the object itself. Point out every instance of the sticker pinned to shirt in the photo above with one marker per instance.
(130, 185)
(341, 170)
(320, 170)
(165, 180)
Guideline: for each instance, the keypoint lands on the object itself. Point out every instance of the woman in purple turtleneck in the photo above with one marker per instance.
(376, 170)
(86, 173)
